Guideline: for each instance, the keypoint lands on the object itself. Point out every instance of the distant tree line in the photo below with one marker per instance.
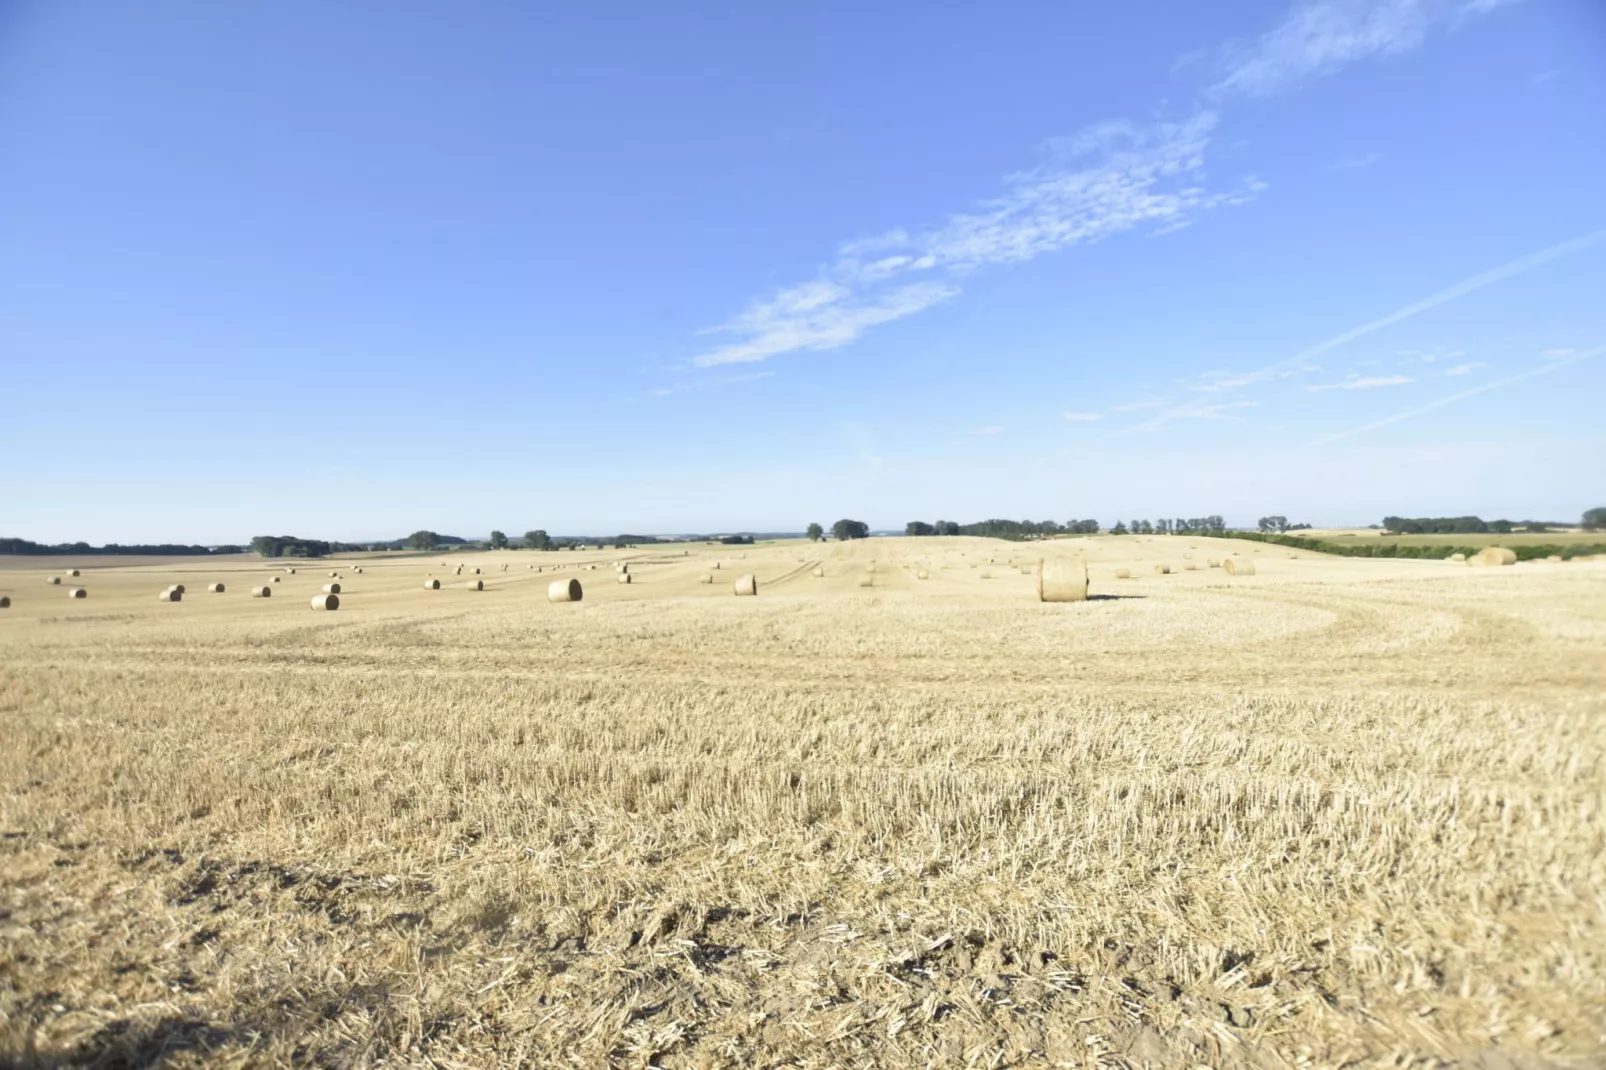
(166, 549)
(1379, 548)
(1466, 525)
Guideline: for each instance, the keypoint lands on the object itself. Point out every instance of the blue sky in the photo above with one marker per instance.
(351, 270)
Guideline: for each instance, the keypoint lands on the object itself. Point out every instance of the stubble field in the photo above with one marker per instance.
(1342, 812)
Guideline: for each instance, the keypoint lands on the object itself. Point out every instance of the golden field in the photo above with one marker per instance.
(1342, 812)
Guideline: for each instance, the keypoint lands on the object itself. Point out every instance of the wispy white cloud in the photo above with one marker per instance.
(1450, 293)
(1369, 383)
(1321, 37)
(706, 384)
(1138, 404)
(1355, 163)
(1112, 178)
(1462, 369)
(1078, 416)
(1219, 410)
(1418, 410)
(991, 430)
(1556, 354)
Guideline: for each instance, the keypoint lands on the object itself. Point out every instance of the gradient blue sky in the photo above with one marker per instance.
(350, 270)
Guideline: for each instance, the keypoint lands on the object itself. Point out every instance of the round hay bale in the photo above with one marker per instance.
(747, 584)
(262, 592)
(819, 573)
(77, 592)
(477, 585)
(216, 588)
(717, 566)
(291, 571)
(1123, 573)
(563, 591)
(706, 577)
(476, 572)
(986, 574)
(275, 579)
(358, 570)
(432, 584)
(1553, 557)
(179, 587)
(624, 577)
(624, 567)
(1458, 558)
(170, 595)
(1239, 568)
(1190, 567)
(325, 601)
(1061, 581)
(1495, 555)
(459, 571)
(5, 601)
(1026, 570)
(53, 580)
(73, 572)
(869, 581)
(331, 588)
(922, 574)
(1214, 562)
(1164, 570)
(334, 574)
(870, 568)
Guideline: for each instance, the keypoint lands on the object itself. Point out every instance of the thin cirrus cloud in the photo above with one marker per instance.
(1112, 178)
(991, 430)
(1463, 369)
(1371, 382)
(1081, 416)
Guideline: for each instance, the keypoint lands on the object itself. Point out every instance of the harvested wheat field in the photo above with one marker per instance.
(1338, 812)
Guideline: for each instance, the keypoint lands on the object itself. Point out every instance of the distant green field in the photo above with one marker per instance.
(1515, 539)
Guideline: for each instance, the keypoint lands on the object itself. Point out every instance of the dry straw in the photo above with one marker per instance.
(432, 584)
(624, 577)
(1123, 573)
(477, 585)
(325, 601)
(1239, 568)
(1164, 570)
(331, 588)
(216, 588)
(336, 575)
(1061, 581)
(53, 580)
(869, 581)
(262, 592)
(563, 591)
(922, 574)
(1214, 562)
(179, 587)
(1458, 557)
(819, 573)
(706, 578)
(747, 584)
(73, 572)
(5, 601)
(170, 595)
(1495, 555)
(77, 592)
(275, 579)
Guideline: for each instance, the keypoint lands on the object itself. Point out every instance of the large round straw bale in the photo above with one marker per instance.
(432, 584)
(624, 566)
(1553, 557)
(77, 592)
(986, 574)
(331, 588)
(624, 577)
(563, 591)
(275, 579)
(291, 571)
(333, 573)
(1495, 555)
(477, 585)
(717, 565)
(179, 587)
(869, 581)
(216, 588)
(1061, 581)
(1456, 558)
(746, 584)
(170, 595)
(922, 574)
(325, 601)
(358, 570)
(262, 592)
(819, 573)
(73, 572)
(1123, 573)
(5, 601)
(1242, 567)
(53, 580)
(1026, 570)
(476, 572)
(1164, 570)
(1214, 562)
(707, 577)
(1190, 567)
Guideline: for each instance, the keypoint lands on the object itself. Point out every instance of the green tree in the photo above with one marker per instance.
(1595, 519)
(918, 527)
(1119, 529)
(1274, 524)
(816, 533)
(498, 541)
(537, 540)
(423, 540)
(844, 530)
